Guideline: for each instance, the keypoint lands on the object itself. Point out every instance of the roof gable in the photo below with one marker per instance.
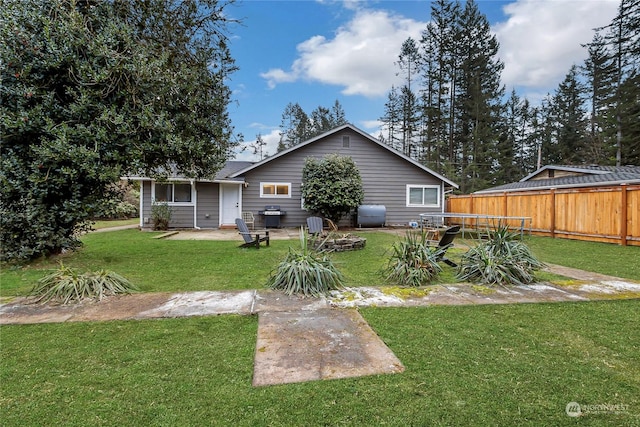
(334, 131)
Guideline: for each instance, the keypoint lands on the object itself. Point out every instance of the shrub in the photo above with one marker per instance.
(67, 285)
(306, 272)
(331, 186)
(161, 215)
(503, 259)
(413, 262)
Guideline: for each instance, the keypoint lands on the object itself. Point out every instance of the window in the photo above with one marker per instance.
(275, 189)
(172, 193)
(345, 142)
(423, 195)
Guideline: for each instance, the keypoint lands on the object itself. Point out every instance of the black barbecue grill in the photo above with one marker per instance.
(272, 214)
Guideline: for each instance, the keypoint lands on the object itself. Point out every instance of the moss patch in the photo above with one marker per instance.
(569, 282)
(406, 292)
(483, 290)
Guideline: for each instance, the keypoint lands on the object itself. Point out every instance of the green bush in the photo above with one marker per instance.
(413, 262)
(67, 285)
(503, 259)
(306, 272)
(331, 186)
(161, 214)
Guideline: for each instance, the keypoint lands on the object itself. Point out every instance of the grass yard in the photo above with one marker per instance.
(604, 258)
(474, 365)
(192, 265)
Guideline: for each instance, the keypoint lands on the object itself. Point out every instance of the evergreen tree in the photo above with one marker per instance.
(622, 38)
(478, 98)
(391, 119)
(295, 127)
(600, 76)
(408, 62)
(438, 42)
(570, 124)
(95, 90)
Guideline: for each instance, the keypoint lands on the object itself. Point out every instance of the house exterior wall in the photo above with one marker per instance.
(208, 212)
(181, 216)
(385, 177)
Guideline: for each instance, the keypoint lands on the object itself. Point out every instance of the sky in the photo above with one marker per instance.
(314, 52)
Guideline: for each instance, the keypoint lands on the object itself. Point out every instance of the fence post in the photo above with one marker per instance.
(623, 214)
(553, 212)
(504, 204)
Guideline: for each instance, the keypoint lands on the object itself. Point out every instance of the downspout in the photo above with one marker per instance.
(194, 193)
(141, 204)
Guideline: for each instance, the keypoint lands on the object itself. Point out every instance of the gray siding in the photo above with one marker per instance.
(384, 177)
(182, 216)
(208, 205)
(146, 204)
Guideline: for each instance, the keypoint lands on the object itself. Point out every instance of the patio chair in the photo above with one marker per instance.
(251, 239)
(446, 242)
(248, 218)
(314, 225)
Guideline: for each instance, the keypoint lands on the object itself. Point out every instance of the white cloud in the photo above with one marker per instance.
(358, 57)
(541, 39)
(277, 75)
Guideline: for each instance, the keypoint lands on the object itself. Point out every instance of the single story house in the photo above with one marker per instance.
(402, 185)
(567, 176)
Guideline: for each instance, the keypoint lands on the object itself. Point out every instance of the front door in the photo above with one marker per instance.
(229, 203)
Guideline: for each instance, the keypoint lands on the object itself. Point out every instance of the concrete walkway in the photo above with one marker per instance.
(304, 339)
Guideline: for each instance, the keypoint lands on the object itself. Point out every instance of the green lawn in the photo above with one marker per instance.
(190, 265)
(474, 365)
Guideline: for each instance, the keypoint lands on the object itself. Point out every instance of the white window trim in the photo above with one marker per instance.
(193, 194)
(275, 196)
(436, 187)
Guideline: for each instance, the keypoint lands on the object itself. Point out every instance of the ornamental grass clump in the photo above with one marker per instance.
(66, 285)
(503, 259)
(306, 272)
(413, 262)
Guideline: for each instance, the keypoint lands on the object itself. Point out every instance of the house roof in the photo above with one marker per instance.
(571, 177)
(336, 130)
(222, 175)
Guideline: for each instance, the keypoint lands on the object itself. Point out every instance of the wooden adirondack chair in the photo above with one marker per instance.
(251, 239)
(446, 242)
(314, 224)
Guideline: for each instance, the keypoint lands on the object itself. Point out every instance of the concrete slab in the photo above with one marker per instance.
(19, 312)
(269, 300)
(604, 290)
(203, 303)
(297, 346)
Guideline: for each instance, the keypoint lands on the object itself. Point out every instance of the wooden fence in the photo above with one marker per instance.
(602, 214)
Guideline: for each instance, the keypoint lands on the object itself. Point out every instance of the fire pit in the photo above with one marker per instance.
(346, 242)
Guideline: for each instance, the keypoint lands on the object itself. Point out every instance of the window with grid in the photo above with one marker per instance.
(173, 193)
(423, 195)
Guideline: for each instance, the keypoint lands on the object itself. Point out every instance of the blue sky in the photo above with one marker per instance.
(314, 52)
